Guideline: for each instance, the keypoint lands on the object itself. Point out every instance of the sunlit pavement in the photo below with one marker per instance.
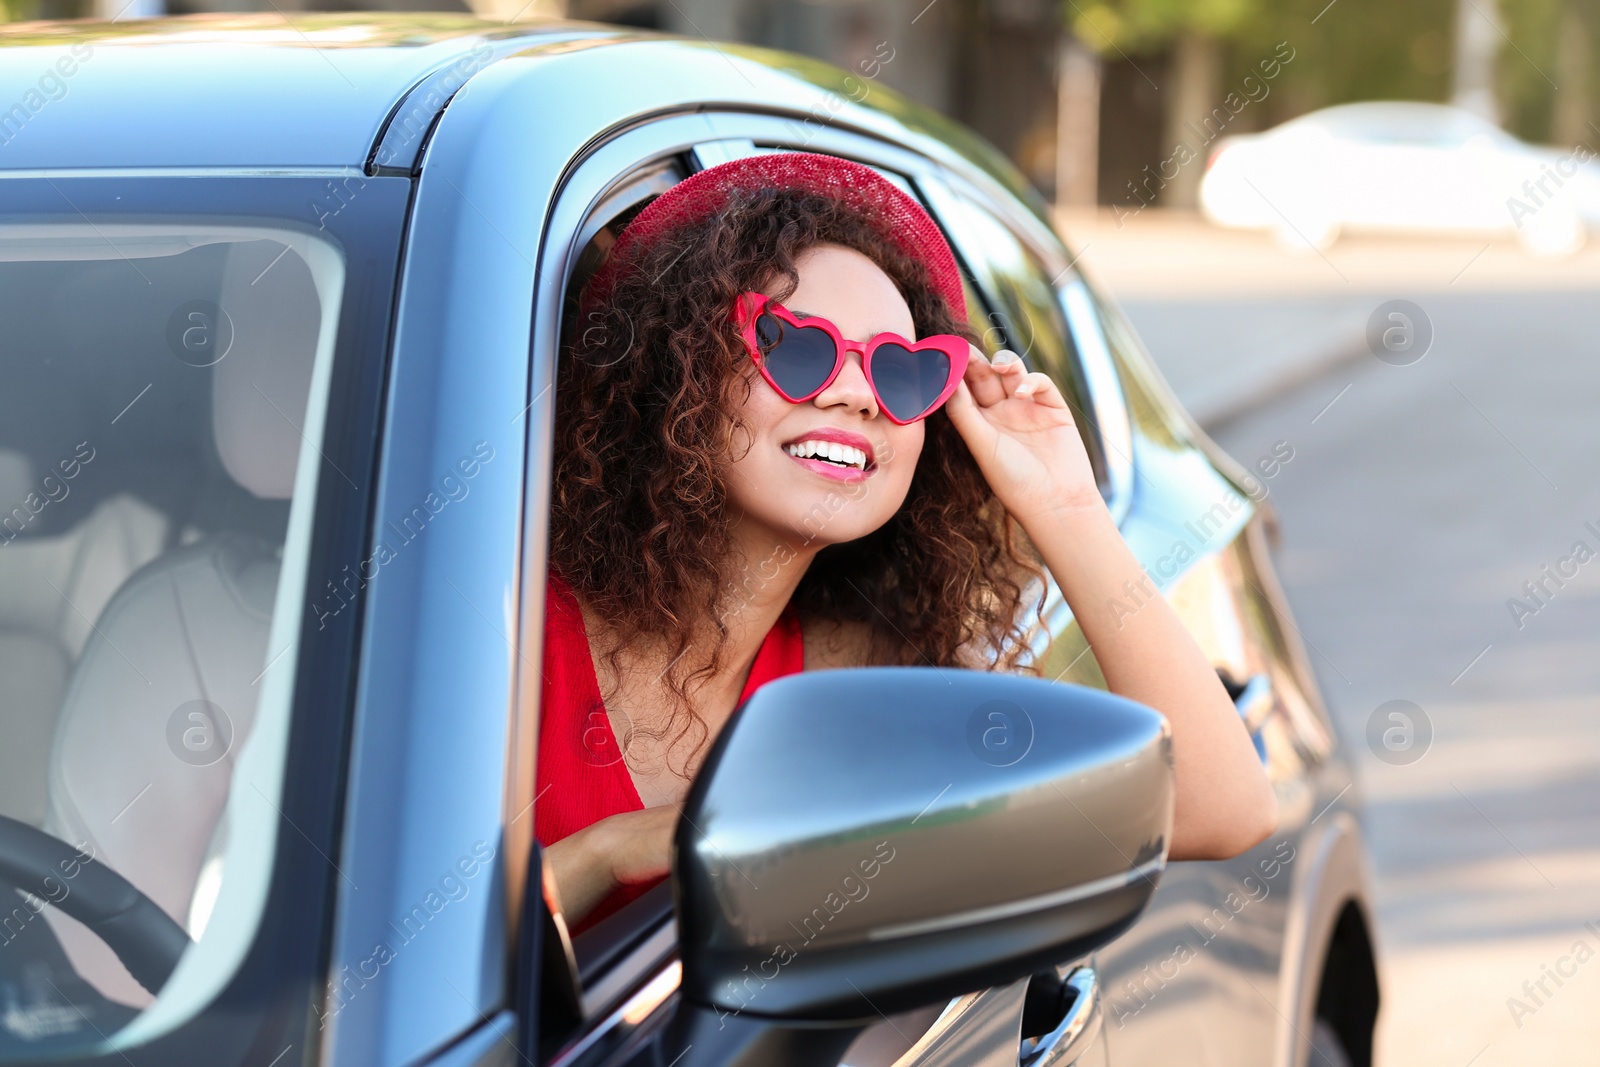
(1234, 319)
(1420, 499)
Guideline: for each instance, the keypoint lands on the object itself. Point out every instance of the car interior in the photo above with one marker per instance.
(144, 500)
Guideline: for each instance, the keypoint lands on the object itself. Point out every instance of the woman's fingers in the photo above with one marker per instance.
(1012, 371)
(982, 379)
(1041, 389)
(960, 405)
(990, 381)
(1007, 361)
(965, 414)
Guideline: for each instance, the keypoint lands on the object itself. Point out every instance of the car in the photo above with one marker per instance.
(1401, 167)
(282, 299)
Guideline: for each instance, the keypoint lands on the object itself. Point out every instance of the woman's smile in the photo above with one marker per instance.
(836, 454)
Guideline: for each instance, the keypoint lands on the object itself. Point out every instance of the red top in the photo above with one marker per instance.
(582, 777)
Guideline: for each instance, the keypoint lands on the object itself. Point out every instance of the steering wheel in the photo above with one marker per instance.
(145, 938)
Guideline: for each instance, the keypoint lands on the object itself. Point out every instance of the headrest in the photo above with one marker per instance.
(263, 344)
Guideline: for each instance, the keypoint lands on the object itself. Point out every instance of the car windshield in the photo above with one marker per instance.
(162, 386)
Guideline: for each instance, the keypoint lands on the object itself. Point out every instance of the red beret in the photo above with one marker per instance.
(897, 216)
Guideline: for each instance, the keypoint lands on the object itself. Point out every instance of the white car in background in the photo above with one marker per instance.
(1401, 166)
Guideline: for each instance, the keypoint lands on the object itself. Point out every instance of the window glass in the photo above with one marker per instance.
(1026, 316)
(1151, 414)
(161, 387)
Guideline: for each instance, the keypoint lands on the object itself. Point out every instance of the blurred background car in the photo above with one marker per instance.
(1401, 166)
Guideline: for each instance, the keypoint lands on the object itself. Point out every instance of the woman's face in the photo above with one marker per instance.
(812, 502)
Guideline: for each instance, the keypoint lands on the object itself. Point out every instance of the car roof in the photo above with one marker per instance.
(245, 91)
(262, 93)
(1404, 121)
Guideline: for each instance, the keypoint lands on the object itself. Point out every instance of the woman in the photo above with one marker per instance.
(725, 512)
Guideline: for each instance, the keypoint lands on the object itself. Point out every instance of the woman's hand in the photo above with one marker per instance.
(1020, 430)
(619, 850)
(1021, 433)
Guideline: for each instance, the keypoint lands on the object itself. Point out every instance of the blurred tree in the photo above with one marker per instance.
(1147, 25)
(1351, 50)
(1343, 50)
(1573, 108)
(1526, 81)
(1544, 83)
(1195, 31)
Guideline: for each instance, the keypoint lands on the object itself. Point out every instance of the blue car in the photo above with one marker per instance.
(280, 301)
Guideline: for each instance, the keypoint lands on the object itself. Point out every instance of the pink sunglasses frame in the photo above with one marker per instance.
(749, 305)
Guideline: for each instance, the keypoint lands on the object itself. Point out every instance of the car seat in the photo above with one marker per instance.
(190, 626)
(56, 587)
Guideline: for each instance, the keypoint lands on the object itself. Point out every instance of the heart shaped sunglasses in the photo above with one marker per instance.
(801, 357)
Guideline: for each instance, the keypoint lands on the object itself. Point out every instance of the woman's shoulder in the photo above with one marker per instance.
(565, 634)
(560, 602)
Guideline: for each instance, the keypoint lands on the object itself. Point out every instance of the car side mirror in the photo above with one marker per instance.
(862, 842)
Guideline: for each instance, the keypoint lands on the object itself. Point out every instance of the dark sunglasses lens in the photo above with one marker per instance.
(799, 358)
(908, 382)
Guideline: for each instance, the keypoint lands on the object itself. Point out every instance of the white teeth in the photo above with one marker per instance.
(844, 455)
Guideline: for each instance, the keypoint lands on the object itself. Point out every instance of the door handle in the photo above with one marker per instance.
(1252, 701)
(1077, 999)
(1256, 693)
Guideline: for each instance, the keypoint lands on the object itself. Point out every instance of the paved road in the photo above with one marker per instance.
(1419, 501)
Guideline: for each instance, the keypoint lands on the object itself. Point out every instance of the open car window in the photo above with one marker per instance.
(611, 963)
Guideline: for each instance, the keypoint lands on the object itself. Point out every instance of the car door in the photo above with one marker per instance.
(1233, 928)
(1200, 970)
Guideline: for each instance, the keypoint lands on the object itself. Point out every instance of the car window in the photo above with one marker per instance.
(161, 387)
(596, 948)
(607, 958)
(1152, 411)
(602, 960)
(1025, 313)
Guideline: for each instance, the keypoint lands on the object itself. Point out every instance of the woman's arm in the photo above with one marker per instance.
(1225, 804)
(606, 855)
(1021, 432)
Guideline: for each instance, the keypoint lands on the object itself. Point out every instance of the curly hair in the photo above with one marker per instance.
(647, 409)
